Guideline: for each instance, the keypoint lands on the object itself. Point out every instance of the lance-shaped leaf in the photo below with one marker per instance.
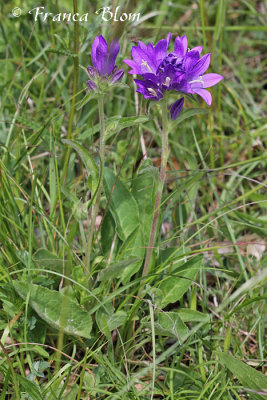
(122, 205)
(252, 380)
(58, 310)
(173, 287)
(88, 161)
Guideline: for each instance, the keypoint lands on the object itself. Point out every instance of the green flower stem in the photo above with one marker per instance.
(164, 156)
(74, 91)
(95, 207)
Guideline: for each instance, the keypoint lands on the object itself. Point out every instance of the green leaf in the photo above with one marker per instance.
(85, 100)
(133, 246)
(188, 315)
(172, 324)
(115, 270)
(108, 322)
(248, 376)
(62, 52)
(122, 205)
(52, 178)
(58, 310)
(174, 287)
(108, 230)
(114, 125)
(144, 191)
(169, 324)
(191, 112)
(88, 161)
(29, 387)
(45, 259)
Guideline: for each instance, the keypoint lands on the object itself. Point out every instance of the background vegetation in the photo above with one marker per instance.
(197, 330)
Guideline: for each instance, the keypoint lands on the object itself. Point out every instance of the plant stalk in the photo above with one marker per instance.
(95, 207)
(163, 165)
(74, 90)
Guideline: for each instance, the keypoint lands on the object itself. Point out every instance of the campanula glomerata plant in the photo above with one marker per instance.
(178, 71)
(103, 75)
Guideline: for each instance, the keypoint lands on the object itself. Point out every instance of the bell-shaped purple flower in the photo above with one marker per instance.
(104, 72)
(104, 57)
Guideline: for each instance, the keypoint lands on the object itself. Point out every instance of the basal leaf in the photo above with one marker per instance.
(29, 387)
(133, 246)
(116, 270)
(45, 259)
(54, 308)
(188, 315)
(173, 287)
(108, 322)
(108, 230)
(172, 324)
(168, 324)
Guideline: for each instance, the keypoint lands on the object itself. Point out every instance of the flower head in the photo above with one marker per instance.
(104, 70)
(181, 70)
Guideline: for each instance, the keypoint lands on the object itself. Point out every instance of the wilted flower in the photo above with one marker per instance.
(181, 70)
(104, 72)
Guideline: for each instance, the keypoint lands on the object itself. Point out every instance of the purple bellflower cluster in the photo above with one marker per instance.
(104, 72)
(181, 70)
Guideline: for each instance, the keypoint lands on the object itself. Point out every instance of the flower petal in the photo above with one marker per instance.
(93, 51)
(101, 55)
(200, 67)
(198, 49)
(135, 67)
(205, 94)
(190, 60)
(142, 45)
(180, 46)
(211, 79)
(113, 51)
(145, 59)
(176, 108)
(146, 84)
(161, 50)
(149, 89)
(169, 38)
(152, 77)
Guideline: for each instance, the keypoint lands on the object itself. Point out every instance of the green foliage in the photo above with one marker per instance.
(173, 287)
(123, 206)
(67, 333)
(57, 309)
